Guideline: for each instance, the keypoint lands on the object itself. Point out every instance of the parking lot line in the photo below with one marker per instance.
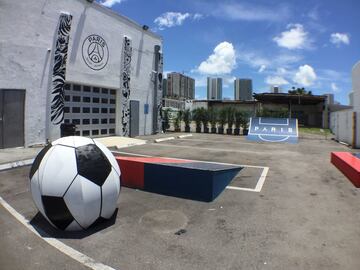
(257, 188)
(65, 249)
(211, 149)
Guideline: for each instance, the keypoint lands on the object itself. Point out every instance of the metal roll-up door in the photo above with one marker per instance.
(92, 109)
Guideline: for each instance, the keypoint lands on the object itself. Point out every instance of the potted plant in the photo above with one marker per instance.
(196, 113)
(177, 121)
(213, 119)
(205, 119)
(238, 120)
(165, 120)
(222, 120)
(230, 119)
(245, 124)
(187, 119)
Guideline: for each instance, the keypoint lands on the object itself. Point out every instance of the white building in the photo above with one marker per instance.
(214, 88)
(345, 124)
(275, 89)
(243, 89)
(75, 61)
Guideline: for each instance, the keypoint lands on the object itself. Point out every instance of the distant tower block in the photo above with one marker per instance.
(243, 89)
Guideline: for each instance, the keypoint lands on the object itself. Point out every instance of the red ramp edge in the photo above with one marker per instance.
(348, 164)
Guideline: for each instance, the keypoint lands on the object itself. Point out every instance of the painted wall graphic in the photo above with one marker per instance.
(273, 129)
(158, 68)
(95, 52)
(59, 69)
(159, 91)
(125, 87)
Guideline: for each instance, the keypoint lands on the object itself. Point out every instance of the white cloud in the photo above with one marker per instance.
(340, 38)
(294, 38)
(110, 3)
(305, 76)
(222, 61)
(249, 12)
(170, 19)
(281, 71)
(262, 68)
(198, 16)
(334, 87)
(276, 80)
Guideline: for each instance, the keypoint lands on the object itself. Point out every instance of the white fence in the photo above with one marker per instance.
(341, 124)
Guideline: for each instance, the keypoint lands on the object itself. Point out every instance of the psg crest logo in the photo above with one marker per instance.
(95, 52)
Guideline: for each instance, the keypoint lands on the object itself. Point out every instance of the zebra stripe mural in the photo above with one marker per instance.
(125, 87)
(59, 69)
(159, 90)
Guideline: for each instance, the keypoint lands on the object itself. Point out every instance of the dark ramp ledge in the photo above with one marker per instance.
(202, 181)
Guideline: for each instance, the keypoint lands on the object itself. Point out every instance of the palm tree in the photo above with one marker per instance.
(222, 120)
(187, 119)
(213, 117)
(196, 113)
(230, 119)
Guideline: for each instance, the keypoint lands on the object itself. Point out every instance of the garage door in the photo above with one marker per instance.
(91, 109)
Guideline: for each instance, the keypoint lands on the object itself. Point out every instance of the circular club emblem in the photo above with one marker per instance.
(95, 52)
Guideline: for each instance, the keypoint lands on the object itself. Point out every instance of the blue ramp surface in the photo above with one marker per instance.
(195, 180)
(263, 129)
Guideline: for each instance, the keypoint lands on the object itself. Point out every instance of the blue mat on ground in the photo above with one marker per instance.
(263, 129)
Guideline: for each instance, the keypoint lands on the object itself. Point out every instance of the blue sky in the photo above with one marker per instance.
(308, 43)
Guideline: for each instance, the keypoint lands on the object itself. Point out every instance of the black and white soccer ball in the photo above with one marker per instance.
(75, 181)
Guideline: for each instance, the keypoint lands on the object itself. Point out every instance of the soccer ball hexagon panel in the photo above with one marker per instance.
(74, 181)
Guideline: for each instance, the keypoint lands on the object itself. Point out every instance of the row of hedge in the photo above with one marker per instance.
(215, 118)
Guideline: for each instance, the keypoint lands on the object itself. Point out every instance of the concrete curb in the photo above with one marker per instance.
(16, 164)
(185, 136)
(130, 144)
(164, 139)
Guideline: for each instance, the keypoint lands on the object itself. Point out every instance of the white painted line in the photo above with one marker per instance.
(130, 144)
(69, 251)
(257, 188)
(216, 149)
(164, 139)
(261, 180)
(15, 164)
(185, 136)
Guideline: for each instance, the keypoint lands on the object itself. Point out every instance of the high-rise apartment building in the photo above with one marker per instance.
(243, 89)
(180, 86)
(214, 88)
(275, 89)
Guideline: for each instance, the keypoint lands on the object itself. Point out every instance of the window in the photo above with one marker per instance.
(75, 109)
(86, 121)
(86, 99)
(76, 87)
(76, 98)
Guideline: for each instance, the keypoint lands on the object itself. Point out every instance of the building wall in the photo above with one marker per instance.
(214, 88)
(356, 86)
(27, 57)
(180, 86)
(243, 89)
(341, 122)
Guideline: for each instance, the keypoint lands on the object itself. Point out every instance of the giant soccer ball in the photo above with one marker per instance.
(75, 181)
